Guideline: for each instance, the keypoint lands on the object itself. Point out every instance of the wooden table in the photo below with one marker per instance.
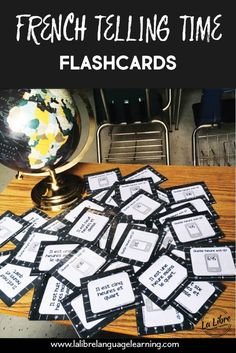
(221, 182)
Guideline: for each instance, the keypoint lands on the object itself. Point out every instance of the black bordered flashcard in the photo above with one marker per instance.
(151, 319)
(89, 226)
(162, 195)
(111, 292)
(163, 278)
(197, 298)
(10, 226)
(5, 255)
(35, 218)
(211, 262)
(186, 209)
(86, 202)
(57, 224)
(15, 281)
(84, 260)
(26, 250)
(102, 180)
(137, 245)
(46, 302)
(194, 228)
(110, 197)
(146, 172)
(50, 253)
(201, 204)
(189, 191)
(74, 307)
(116, 229)
(126, 189)
(141, 206)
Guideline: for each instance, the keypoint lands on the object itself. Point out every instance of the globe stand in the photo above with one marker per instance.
(57, 192)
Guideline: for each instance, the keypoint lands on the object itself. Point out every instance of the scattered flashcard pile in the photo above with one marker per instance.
(130, 244)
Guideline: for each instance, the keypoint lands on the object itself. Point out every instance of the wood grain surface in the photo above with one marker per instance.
(221, 182)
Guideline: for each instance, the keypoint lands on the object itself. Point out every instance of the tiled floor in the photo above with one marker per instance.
(180, 151)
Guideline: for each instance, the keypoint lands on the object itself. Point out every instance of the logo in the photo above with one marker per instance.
(216, 322)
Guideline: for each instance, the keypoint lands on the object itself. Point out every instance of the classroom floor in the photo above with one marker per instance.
(180, 154)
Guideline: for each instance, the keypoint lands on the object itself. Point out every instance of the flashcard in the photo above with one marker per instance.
(85, 203)
(10, 226)
(89, 226)
(117, 227)
(162, 279)
(35, 218)
(211, 263)
(114, 265)
(56, 224)
(189, 191)
(194, 228)
(151, 319)
(102, 180)
(110, 197)
(81, 262)
(49, 254)
(74, 307)
(46, 302)
(126, 189)
(27, 250)
(98, 195)
(4, 255)
(162, 195)
(15, 281)
(141, 206)
(201, 204)
(137, 245)
(146, 172)
(196, 299)
(111, 292)
(179, 211)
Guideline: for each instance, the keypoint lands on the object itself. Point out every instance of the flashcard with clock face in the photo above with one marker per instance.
(211, 262)
(162, 279)
(111, 292)
(46, 302)
(190, 191)
(27, 250)
(102, 180)
(49, 254)
(85, 203)
(84, 260)
(201, 204)
(126, 189)
(151, 319)
(137, 245)
(89, 226)
(10, 226)
(146, 172)
(74, 307)
(196, 299)
(15, 281)
(141, 206)
(35, 218)
(194, 228)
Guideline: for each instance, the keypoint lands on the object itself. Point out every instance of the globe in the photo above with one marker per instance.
(39, 128)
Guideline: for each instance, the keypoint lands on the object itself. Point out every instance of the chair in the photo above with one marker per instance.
(130, 130)
(213, 139)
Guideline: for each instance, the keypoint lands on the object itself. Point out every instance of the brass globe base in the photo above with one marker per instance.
(57, 192)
